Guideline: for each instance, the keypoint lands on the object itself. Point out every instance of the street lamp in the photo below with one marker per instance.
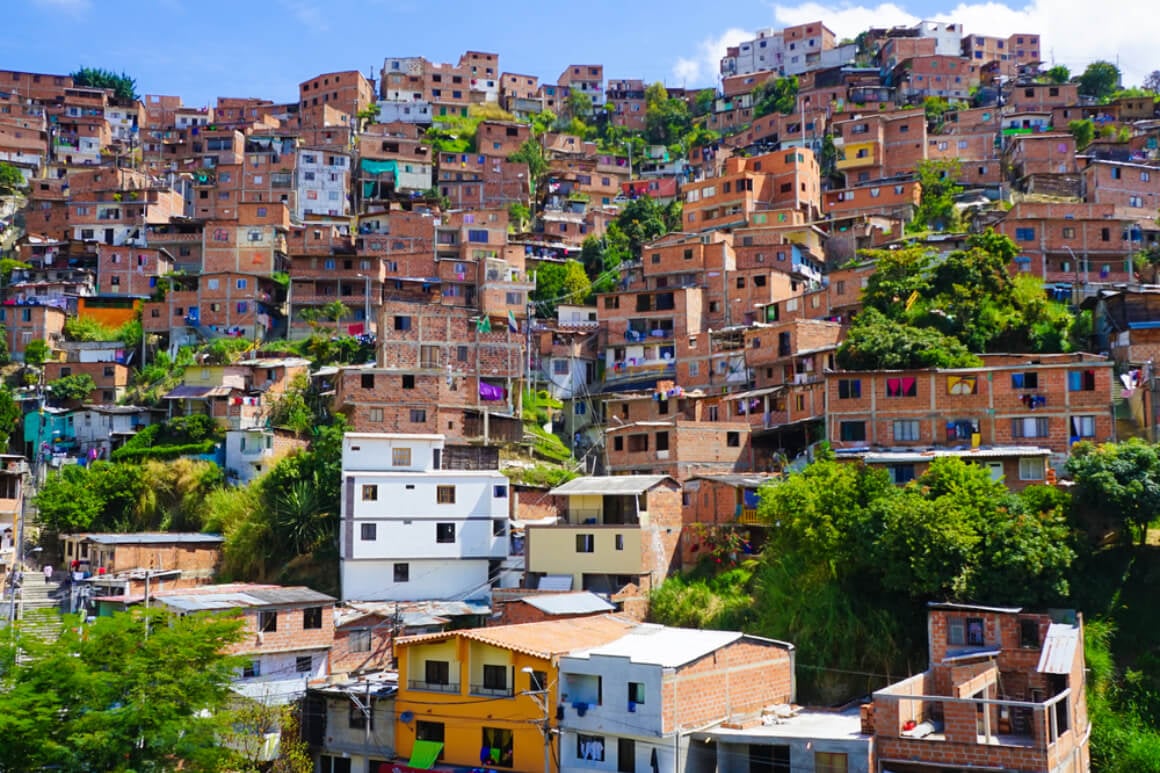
(540, 696)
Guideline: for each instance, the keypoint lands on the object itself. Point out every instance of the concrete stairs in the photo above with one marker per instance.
(40, 607)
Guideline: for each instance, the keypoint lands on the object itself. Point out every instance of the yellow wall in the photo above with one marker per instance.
(463, 715)
(552, 550)
(851, 159)
(204, 375)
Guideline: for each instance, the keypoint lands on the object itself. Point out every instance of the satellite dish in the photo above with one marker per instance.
(406, 717)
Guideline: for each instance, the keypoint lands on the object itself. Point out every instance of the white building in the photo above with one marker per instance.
(107, 427)
(413, 530)
(249, 454)
(948, 36)
(405, 111)
(323, 180)
(764, 52)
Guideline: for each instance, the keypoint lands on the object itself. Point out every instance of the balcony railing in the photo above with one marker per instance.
(447, 687)
(496, 692)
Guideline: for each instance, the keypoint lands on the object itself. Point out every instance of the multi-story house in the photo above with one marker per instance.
(880, 145)
(618, 535)
(950, 77)
(347, 91)
(1029, 402)
(110, 378)
(350, 723)
(1007, 53)
(106, 427)
(773, 181)
(131, 269)
(513, 670)
(13, 470)
(1127, 186)
(414, 528)
(633, 702)
(625, 103)
(326, 267)
(1070, 244)
(1005, 689)
(898, 200)
(520, 94)
(395, 162)
(586, 79)
(121, 562)
(29, 322)
(323, 183)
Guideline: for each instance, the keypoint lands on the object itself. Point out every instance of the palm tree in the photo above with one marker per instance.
(335, 310)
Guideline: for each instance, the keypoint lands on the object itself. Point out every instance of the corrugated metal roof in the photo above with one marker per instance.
(1059, 648)
(663, 646)
(609, 484)
(190, 392)
(153, 538)
(580, 603)
(993, 452)
(561, 582)
(240, 596)
(748, 481)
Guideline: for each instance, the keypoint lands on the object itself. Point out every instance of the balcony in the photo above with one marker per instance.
(443, 687)
(494, 692)
(621, 372)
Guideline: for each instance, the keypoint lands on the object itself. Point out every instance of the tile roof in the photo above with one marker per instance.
(544, 640)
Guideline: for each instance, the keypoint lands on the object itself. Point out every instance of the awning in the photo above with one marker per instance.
(424, 754)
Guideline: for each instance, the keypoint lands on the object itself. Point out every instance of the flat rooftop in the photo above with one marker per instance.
(819, 724)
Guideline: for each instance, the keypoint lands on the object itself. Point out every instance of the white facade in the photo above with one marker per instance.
(413, 531)
(766, 51)
(97, 426)
(249, 454)
(122, 122)
(405, 111)
(948, 36)
(323, 180)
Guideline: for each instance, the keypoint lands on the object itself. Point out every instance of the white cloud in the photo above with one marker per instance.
(1074, 32)
(701, 68)
(307, 13)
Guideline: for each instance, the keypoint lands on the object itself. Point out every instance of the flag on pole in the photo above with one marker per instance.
(513, 325)
(483, 324)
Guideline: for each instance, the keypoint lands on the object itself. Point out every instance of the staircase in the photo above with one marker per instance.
(40, 607)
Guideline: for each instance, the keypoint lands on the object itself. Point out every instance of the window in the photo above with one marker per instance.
(357, 718)
(590, 747)
(400, 457)
(1024, 234)
(852, 431)
(906, 430)
(367, 380)
(312, 618)
(1030, 427)
(430, 731)
(849, 388)
(499, 492)
(445, 495)
(499, 527)
(251, 669)
(402, 323)
(1025, 381)
(901, 473)
(497, 742)
(902, 387)
(625, 755)
(1082, 427)
(303, 664)
(359, 641)
(1029, 634)
(408, 382)
(662, 441)
(402, 572)
(418, 415)
(636, 693)
(445, 533)
(267, 620)
(368, 532)
(437, 672)
(733, 439)
(370, 492)
(585, 543)
(1081, 380)
(830, 762)
(618, 443)
(376, 414)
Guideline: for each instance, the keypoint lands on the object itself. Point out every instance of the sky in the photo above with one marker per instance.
(202, 49)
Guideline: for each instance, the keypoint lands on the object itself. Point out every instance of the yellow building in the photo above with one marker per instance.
(480, 692)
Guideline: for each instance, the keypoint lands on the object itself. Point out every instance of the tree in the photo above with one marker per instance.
(336, 310)
(776, 95)
(1084, 132)
(35, 352)
(10, 415)
(11, 180)
(124, 88)
(875, 342)
(1099, 80)
(72, 389)
(1152, 82)
(642, 221)
(532, 154)
(579, 104)
(101, 497)
(703, 102)
(1058, 74)
(939, 182)
(1116, 485)
(666, 119)
(560, 283)
(140, 690)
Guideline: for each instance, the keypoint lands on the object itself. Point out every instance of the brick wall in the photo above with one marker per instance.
(344, 658)
(290, 634)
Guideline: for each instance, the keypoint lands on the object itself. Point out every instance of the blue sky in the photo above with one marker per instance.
(202, 49)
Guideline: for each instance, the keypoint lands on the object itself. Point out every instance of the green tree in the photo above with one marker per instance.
(579, 104)
(643, 220)
(1099, 80)
(35, 352)
(72, 389)
(1116, 485)
(10, 415)
(532, 154)
(666, 119)
(11, 180)
(141, 690)
(939, 183)
(101, 497)
(776, 95)
(875, 342)
(703, 102)
(336, 310)
(898, 275)
(1084, 132)
(1152, 82)
(558, 283)
(1058, 74)
(124, 87)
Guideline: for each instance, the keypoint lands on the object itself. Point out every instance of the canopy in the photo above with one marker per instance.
(424, 754)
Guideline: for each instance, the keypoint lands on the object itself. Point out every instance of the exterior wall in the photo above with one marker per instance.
(196, 562)
(347, 657)
(111, 378)
(994, 406)
(351, 743)
(373, 579)
(458, 714)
